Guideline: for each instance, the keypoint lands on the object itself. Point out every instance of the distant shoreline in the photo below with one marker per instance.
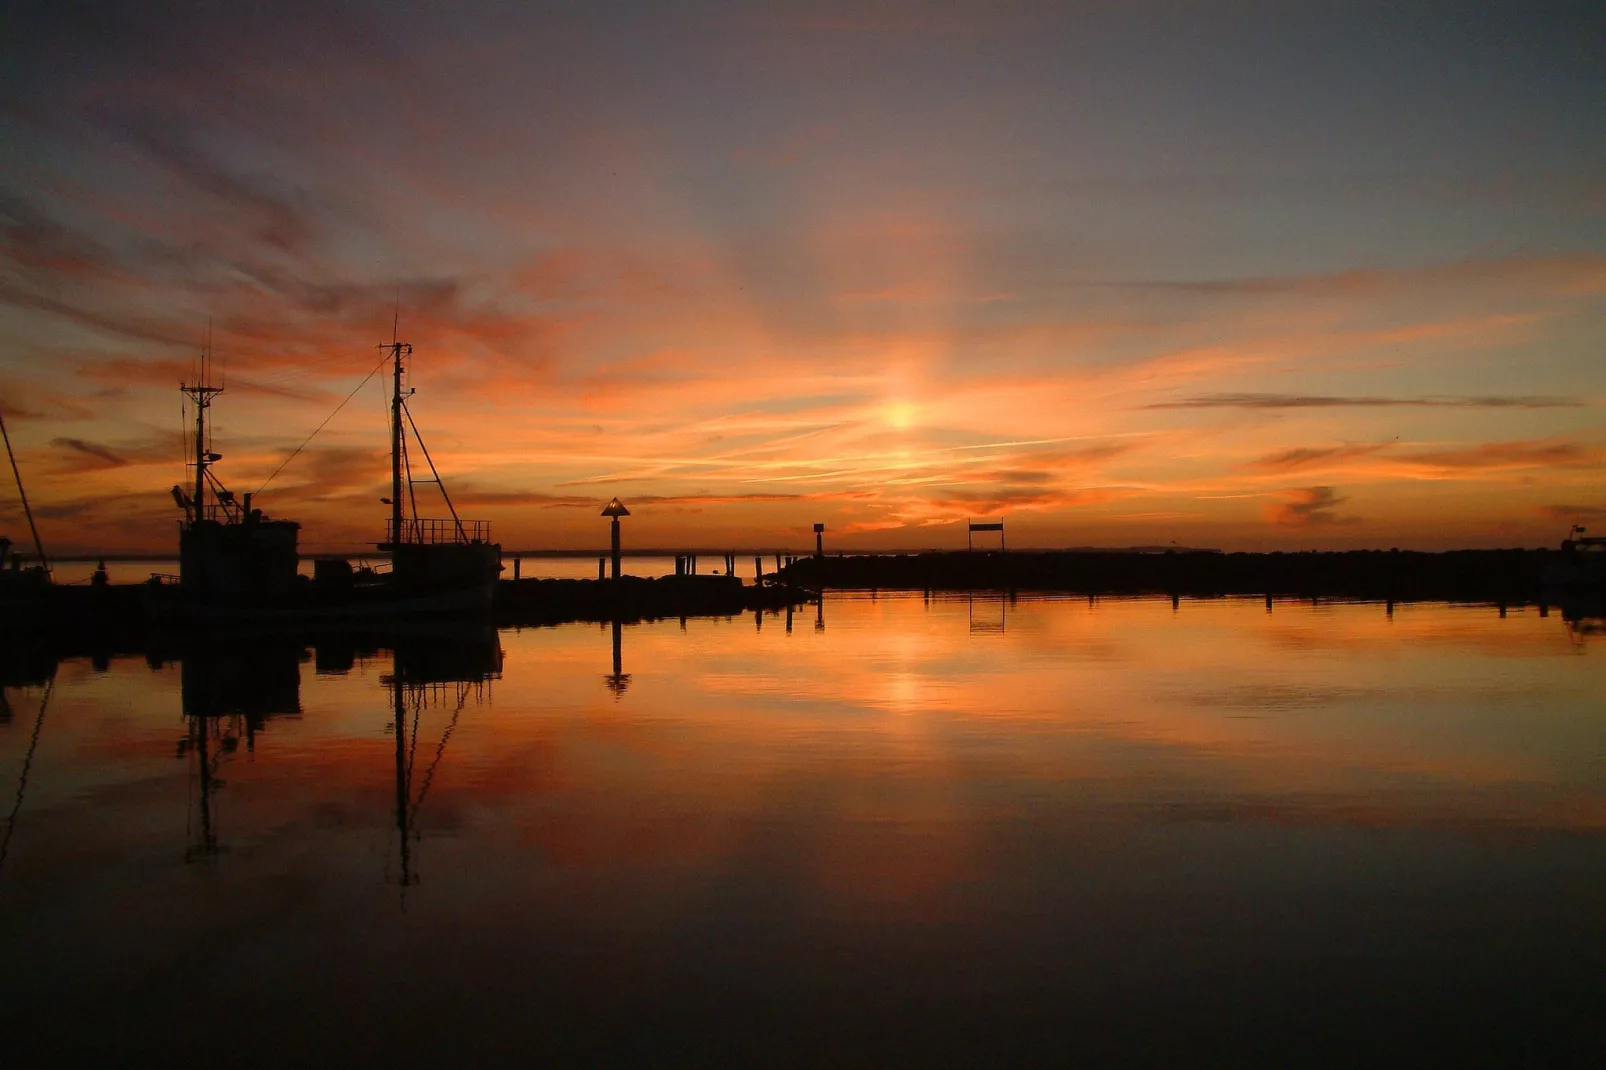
(718, 552)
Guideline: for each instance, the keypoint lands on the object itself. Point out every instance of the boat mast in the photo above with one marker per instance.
(398, 350)
(39, 547)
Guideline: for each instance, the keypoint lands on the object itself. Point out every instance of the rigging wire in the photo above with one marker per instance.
(38, 546)
(321, 426)
(27, 764)
(440, 752)
(432, 471)
(407, 465)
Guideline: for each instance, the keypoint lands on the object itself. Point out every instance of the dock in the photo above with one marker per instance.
(634, 598)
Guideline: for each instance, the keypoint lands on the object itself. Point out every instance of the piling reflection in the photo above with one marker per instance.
(619, 680)
(994, 612)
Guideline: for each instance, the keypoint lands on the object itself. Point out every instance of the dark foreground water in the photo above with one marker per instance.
(965, 832)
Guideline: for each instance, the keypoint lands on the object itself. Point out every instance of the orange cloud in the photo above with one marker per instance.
(1309, 507)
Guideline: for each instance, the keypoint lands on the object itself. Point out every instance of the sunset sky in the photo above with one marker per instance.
(1245, 275)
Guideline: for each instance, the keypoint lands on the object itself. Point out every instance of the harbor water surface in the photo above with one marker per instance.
(945, 830)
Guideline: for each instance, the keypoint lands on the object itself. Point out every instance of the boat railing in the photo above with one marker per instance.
(433, 531)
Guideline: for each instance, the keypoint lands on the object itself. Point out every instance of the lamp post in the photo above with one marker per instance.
(819, 540)
(615, 509)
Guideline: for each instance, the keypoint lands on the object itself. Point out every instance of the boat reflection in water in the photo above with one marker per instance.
(229, 693)
(432, 674)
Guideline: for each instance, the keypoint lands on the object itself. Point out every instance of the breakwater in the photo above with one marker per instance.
(117, 616)
(633, 598)
(1398, 575)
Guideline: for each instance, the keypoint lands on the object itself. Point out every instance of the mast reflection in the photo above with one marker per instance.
(228, 694)
(432, 672)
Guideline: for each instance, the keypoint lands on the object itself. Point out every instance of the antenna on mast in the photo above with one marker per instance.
(201, 393)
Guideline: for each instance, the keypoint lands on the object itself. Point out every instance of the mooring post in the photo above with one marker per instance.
(692, 564)
(614, 510)
(602, 568)
(516, 567)
(758, 572)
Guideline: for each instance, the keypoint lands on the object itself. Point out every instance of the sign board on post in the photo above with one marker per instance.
(974, 527)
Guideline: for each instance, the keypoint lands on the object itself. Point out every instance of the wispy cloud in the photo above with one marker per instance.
(1573, 513)
(1313, 457)
(93, 450)
(1415, 461)
(1309, 507)
(1576, 272)
(1335, 401)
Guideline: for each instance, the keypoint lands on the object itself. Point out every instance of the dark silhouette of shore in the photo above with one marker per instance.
(116, 616)
(633, 598)
(1398, 575)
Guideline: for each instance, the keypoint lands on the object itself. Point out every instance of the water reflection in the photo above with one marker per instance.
(433, 672)
(619, 680)
(1102, 833)
(27, 764)
(228, 692)
(994, 612)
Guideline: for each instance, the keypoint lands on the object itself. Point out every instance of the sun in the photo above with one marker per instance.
(899, 414)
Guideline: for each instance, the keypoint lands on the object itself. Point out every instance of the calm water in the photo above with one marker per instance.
(962, 832)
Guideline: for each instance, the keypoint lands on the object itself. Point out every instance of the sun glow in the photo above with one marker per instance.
(900, 414)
